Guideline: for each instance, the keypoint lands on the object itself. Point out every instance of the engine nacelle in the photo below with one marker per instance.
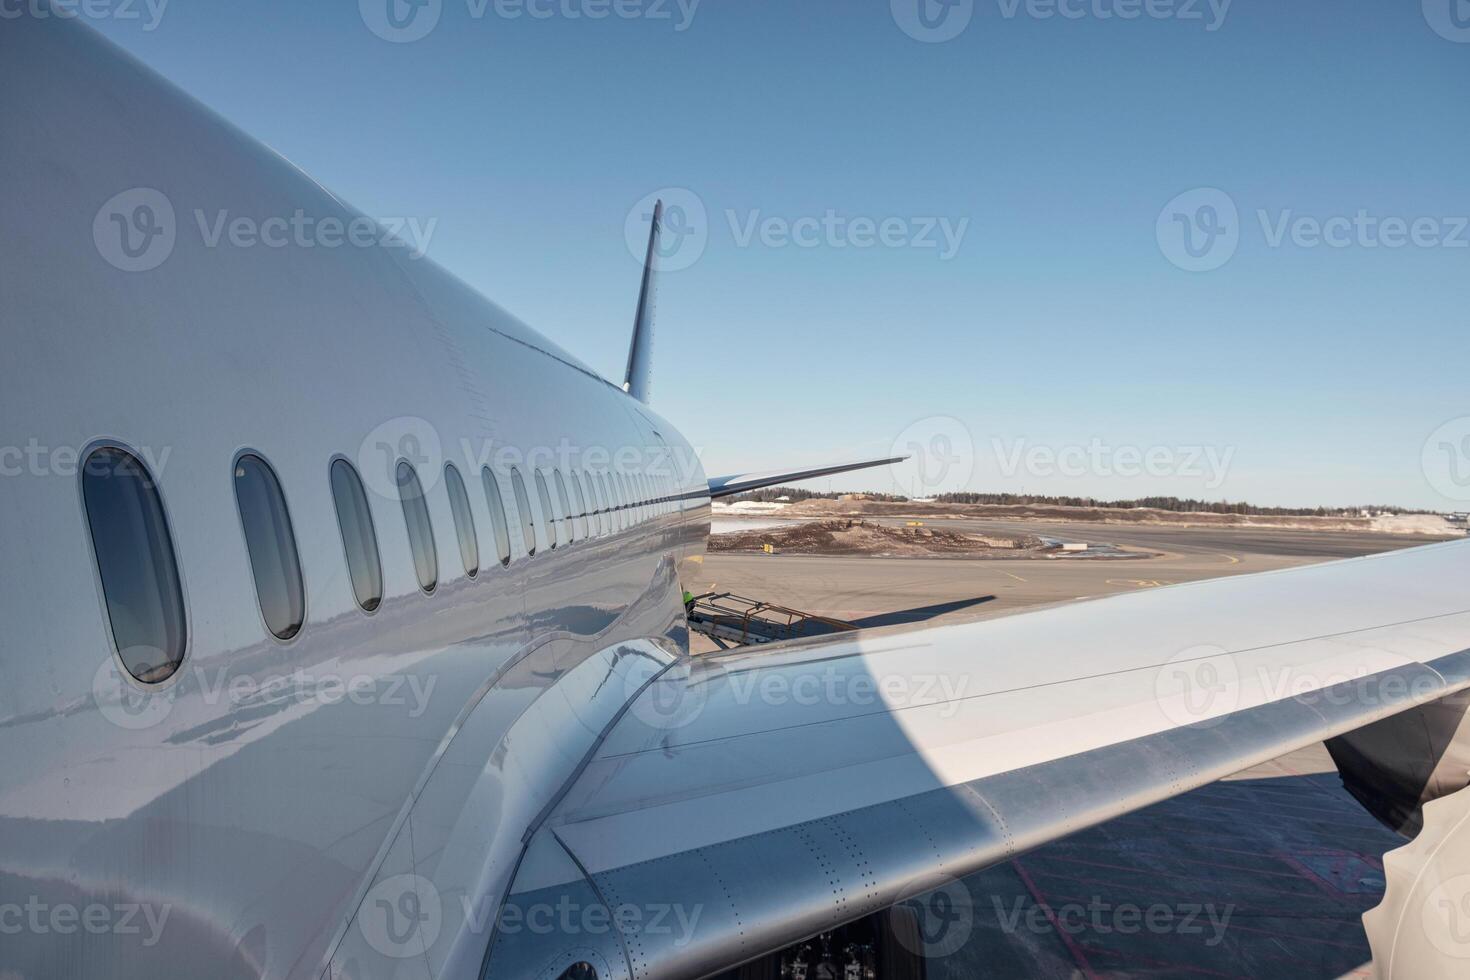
(1395, 766)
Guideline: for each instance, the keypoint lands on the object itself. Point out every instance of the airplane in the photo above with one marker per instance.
(345, 637)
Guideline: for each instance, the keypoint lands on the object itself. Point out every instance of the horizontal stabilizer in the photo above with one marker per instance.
(728, 486)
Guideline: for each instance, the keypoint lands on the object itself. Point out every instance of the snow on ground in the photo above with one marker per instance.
(748, 507)
(1414, 524)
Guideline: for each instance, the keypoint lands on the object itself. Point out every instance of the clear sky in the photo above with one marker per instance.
(994, 240)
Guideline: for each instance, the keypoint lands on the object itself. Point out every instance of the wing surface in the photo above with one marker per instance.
(767, 796)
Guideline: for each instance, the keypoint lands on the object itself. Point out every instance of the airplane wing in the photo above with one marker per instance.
(760, 798)
(728, 486)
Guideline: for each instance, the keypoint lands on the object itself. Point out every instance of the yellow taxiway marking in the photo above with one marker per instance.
(1138, 583)
(1231, 559)
(1016, 577)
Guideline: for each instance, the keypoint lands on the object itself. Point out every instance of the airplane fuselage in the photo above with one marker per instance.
(252, 798)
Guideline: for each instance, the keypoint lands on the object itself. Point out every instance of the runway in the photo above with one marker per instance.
(1262, 875)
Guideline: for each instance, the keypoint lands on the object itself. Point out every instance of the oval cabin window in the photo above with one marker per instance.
(548, 516)
(497, 515)
(359, 538)
(599, 505)
(523, 507)
(136, 563)
(420, 529)
(584, 516)
(564, 498)
(272, 546)
(464, 520)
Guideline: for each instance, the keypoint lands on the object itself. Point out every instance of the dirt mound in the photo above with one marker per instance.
(856, 537)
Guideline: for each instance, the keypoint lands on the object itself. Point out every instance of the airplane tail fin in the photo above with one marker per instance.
(636, 380)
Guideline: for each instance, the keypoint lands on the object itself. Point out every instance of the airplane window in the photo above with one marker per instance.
(604, 502)
(619, 505)
(359, 539)
(594, 503)
(604, 523)
(583, 514)
(578, 511)
(568, 520)
(271, 543)
(420, 529)
(589, 497)
(523, 505)
(464, 520)
(610, 483)
(625, 493)
(578, 507)
(497, 515)
(135, 559)
(553, 525)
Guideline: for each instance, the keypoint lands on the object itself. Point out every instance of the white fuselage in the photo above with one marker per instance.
(253, 798)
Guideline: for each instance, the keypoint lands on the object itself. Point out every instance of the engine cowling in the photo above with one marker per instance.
(1395, 766)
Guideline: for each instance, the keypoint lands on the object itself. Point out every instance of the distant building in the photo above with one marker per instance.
(855, 496)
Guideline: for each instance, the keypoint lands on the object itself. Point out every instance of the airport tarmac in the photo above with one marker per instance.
(879, 591)
(1262, 875)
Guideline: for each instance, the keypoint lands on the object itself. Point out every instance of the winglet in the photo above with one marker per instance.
(640, 352)
(728, 486)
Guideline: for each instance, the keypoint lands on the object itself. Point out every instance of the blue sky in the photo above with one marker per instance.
(1066, 146)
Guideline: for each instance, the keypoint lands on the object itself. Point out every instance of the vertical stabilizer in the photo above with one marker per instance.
(640, 352)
